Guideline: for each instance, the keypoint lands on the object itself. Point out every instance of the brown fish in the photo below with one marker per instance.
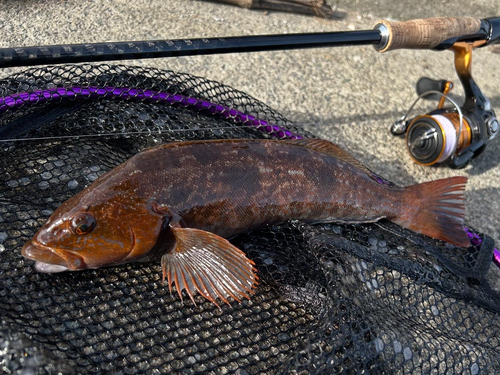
(181, 200)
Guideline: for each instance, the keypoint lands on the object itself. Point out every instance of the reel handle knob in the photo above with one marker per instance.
(426, 84)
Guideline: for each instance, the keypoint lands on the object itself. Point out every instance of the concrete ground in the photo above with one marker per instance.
(348, 95)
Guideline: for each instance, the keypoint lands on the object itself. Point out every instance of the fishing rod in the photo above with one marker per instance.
(384, 37)
(93, 52)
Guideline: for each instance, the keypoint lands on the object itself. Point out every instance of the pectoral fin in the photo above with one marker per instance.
(210, 264)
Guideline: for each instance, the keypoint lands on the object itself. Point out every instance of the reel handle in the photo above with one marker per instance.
(426, 33)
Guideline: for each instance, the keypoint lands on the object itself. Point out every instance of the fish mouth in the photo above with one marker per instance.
(48, 260)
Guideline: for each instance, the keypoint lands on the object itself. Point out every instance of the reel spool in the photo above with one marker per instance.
(434, 138)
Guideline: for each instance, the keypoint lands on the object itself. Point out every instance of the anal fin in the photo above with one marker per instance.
(210, 264)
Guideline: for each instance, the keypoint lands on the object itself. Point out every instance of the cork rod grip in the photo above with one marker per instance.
(427, 33)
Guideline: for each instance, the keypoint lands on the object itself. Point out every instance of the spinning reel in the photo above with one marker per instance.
(450, 135)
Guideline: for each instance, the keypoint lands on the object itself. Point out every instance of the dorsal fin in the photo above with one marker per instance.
(329, 148)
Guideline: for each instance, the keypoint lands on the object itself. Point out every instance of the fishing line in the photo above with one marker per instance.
(393, 232)
(24, 202)
(148, 132)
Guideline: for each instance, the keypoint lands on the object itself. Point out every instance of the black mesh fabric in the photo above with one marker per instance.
(371, 298)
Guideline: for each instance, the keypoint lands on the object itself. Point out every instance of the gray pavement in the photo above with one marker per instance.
(348, 95)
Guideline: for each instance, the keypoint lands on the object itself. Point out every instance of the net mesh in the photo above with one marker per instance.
(333, 298)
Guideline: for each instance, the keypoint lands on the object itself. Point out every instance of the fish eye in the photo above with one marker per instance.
(82, 223)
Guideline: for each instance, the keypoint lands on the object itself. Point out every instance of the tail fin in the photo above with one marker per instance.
(438, 210)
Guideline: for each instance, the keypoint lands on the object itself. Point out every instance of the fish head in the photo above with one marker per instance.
(82, 236)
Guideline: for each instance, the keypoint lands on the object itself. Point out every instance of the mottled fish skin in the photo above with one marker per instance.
(229, 187)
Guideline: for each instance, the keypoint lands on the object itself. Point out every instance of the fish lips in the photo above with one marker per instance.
(49, 260)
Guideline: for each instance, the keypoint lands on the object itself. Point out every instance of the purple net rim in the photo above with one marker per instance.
(16, 101)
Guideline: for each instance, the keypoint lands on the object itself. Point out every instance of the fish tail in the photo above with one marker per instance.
(436, 209)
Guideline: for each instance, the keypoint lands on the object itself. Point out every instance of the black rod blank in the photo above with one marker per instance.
(79, 53)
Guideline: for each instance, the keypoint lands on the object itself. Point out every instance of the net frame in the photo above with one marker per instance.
(334, 298)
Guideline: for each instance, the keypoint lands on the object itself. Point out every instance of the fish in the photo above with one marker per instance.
(183, 201)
